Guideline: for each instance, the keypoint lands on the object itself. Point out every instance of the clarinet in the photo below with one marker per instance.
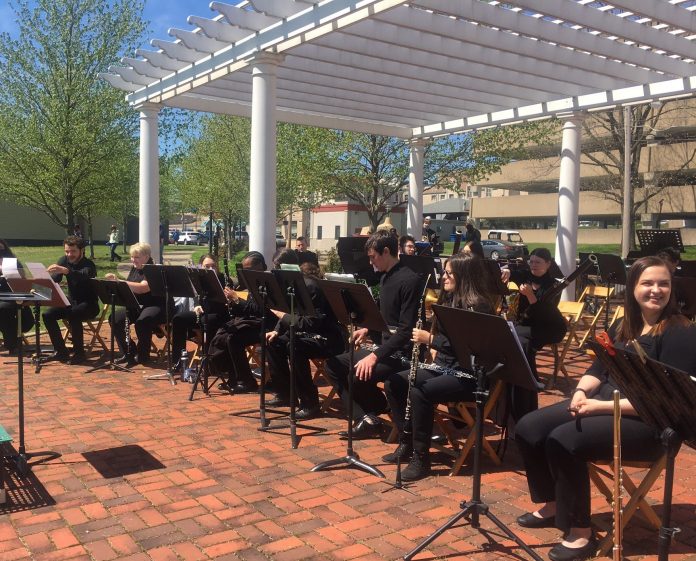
(226, 267)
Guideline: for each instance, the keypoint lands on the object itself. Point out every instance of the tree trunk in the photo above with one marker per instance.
(90, 234)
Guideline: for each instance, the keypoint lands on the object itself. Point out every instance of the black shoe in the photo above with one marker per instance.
(122, 359)
(225, 387)
(278, 401)
(58, 356)
(246, 387)
(559, 552)
(363, 430)
(77, 358)
(402, 454)
(417, 468)
(528, 520)
(306, 413)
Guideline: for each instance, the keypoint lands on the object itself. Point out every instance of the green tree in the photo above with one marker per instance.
(73, 125)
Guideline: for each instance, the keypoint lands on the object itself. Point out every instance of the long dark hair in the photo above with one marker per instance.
(6, 251)
(473, 285)
(632, 323)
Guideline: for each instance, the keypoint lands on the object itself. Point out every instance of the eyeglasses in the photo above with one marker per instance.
(533, 262)
(447, 273)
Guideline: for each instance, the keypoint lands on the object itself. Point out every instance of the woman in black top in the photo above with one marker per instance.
(151, 313)
(557, 441)
(8, 310)
(466, 283)
(538, 321)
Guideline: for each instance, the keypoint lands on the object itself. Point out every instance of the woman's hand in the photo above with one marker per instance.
(231, 295)
(583, 406)
(271, 335)
(110, 276)
(198, 310)
(528, 292)
(359, 335)
(421, 336)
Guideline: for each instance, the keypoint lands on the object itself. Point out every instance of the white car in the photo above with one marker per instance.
(193, 238)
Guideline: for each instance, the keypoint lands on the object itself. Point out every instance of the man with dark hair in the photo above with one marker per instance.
(303, 253)
(671, 256)
(84, 305)
(472, 234)
(407, 245)
(398, 300)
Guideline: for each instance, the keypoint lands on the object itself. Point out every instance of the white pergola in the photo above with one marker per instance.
(413, 69)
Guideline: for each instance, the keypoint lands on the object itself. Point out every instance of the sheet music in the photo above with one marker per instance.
(38, 271)
(9, 268)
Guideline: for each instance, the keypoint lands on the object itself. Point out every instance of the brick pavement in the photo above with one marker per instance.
(146, 474)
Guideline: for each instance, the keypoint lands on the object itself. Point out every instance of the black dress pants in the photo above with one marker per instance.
(367, 398)
(145, 321)
(556, 447)
(429, 389)
(237, 343)
(305, 348)
(75, 314)
(183, 324)
(8, 323)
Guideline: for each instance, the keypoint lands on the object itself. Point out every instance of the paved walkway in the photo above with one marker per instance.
(146, 474)
(180, 256)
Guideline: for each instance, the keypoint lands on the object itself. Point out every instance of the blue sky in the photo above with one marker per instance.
(162, 14)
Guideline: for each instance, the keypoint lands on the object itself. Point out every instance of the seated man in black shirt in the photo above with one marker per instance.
(84, 305)
(398, 301)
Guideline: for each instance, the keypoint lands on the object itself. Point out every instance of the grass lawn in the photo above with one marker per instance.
(47, 255)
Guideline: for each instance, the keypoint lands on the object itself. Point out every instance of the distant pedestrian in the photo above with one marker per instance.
(113, 243)
(77, 231)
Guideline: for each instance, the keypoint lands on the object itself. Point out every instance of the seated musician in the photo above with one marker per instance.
(304, 255)
(320, 336)
(557, 441)
(538, 320)
(407, 245)
(152, 311)
(228, 347)
(466, 283)
(185, 321)
(399, 295)
(8, 310)
(84, 304)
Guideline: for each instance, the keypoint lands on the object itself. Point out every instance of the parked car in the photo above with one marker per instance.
(506, 238)
(191, 238)
(494, 249)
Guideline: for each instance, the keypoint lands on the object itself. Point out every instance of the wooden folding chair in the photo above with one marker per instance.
(317, 377)
(601, 294)
(571, 312)
(461, 411)
(91, 327)
(602, 471)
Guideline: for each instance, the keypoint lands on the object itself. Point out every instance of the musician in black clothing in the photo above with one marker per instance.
(184, 322)
(467, 284)
(150, 314)
(320, 336)
(228, 347)
(8, 310)
(538, 320)
(399, 295)
(84, 304)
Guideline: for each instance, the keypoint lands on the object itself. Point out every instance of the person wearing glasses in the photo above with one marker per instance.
(467, 284)
(538, 320)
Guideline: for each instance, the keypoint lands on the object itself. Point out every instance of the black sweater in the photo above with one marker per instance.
(79, 288)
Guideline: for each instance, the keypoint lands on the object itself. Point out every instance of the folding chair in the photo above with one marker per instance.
(601, 294)
(319, 374)
(602, 471)
(91, 328)
(461, 411)
(571, 312)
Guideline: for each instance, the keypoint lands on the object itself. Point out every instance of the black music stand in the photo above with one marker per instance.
(685, 293)
(612, 271)
(354, 307)
(493, 351)
(22, 457)
(53, 296)
(208, 286)
(264, 288)
(354, 260)
(426, 267)
(114, 293)
(652, 241)
(665, 399)
(169, 281)
(300, 303)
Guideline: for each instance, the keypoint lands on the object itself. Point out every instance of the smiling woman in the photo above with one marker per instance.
(557, 442)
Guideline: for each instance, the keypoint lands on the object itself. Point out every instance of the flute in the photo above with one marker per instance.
(617, 502)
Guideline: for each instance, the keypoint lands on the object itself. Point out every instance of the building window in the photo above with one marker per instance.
(451, 196)
(319, 228)
(337, 232)
(433, 197)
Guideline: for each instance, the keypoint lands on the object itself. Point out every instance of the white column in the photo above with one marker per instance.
(569, 198)
(149, 219)
(262, 188)
(414, 220)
